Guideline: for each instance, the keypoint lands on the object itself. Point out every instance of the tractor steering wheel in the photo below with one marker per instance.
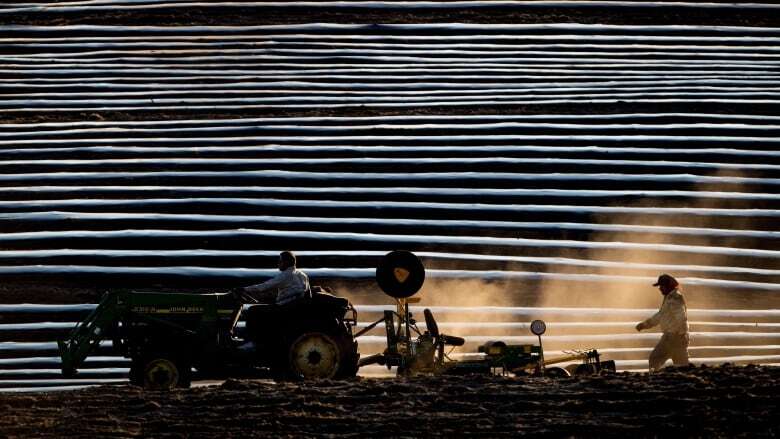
(241, 295)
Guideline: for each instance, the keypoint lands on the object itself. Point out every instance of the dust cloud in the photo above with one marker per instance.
(466, 293)
(621, 294)
(624, 285)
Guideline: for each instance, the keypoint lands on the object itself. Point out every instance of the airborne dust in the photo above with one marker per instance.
(623, 283)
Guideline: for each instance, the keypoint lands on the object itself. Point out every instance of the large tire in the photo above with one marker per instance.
(349, 356)
(314, 355)
(162, 373)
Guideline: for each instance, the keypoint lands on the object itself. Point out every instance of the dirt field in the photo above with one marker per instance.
(691, 402)
(243, 16)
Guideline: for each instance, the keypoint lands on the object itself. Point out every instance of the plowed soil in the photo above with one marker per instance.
(726, 401)
(247, 16)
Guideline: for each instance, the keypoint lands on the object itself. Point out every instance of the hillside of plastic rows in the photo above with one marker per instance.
(164, 196)
(146, 5)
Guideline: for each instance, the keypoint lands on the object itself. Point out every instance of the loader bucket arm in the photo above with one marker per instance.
(88, 333)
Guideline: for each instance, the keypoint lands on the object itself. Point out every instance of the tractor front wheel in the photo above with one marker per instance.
(160, 373)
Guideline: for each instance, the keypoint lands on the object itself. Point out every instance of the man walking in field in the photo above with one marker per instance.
(673, 319)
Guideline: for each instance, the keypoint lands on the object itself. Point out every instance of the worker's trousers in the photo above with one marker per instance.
(674, 346)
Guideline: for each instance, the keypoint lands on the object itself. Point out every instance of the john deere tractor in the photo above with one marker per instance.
(166, 335)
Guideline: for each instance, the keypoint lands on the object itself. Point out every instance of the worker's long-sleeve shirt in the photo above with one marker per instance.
(673, 315)
(291, 284)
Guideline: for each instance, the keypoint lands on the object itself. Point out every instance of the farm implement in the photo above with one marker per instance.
(414, 351)
(166, 335)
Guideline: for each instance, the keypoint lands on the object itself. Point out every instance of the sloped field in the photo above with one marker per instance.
(552, 170)
(392, 67)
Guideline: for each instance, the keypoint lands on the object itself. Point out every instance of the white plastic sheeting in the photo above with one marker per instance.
(340, 190)
(530, 312)
(400, 63)
(405, 104)
(427, 256)
(487, 138)
(369, 273)
(433, 176)
(130, 5)
(687, 120)
(386, 238)
(505, 225)
(218, 37)
(272, 202)
(691, 30)
(400, 162)
(304, 125)
(400, 150)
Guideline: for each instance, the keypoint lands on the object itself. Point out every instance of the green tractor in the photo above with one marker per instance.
(166, 335)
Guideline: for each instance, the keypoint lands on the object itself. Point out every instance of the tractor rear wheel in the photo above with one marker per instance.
(349, 355)
(314, 355)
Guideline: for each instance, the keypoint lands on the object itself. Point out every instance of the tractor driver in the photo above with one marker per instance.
(286, 287)
(673, 319)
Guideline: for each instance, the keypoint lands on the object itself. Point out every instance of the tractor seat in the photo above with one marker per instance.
(329, 300)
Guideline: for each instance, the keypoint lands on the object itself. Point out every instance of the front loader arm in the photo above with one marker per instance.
(88, 333)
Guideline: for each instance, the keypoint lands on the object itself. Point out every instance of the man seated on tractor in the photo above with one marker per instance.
(282, 292)
(284, 288)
